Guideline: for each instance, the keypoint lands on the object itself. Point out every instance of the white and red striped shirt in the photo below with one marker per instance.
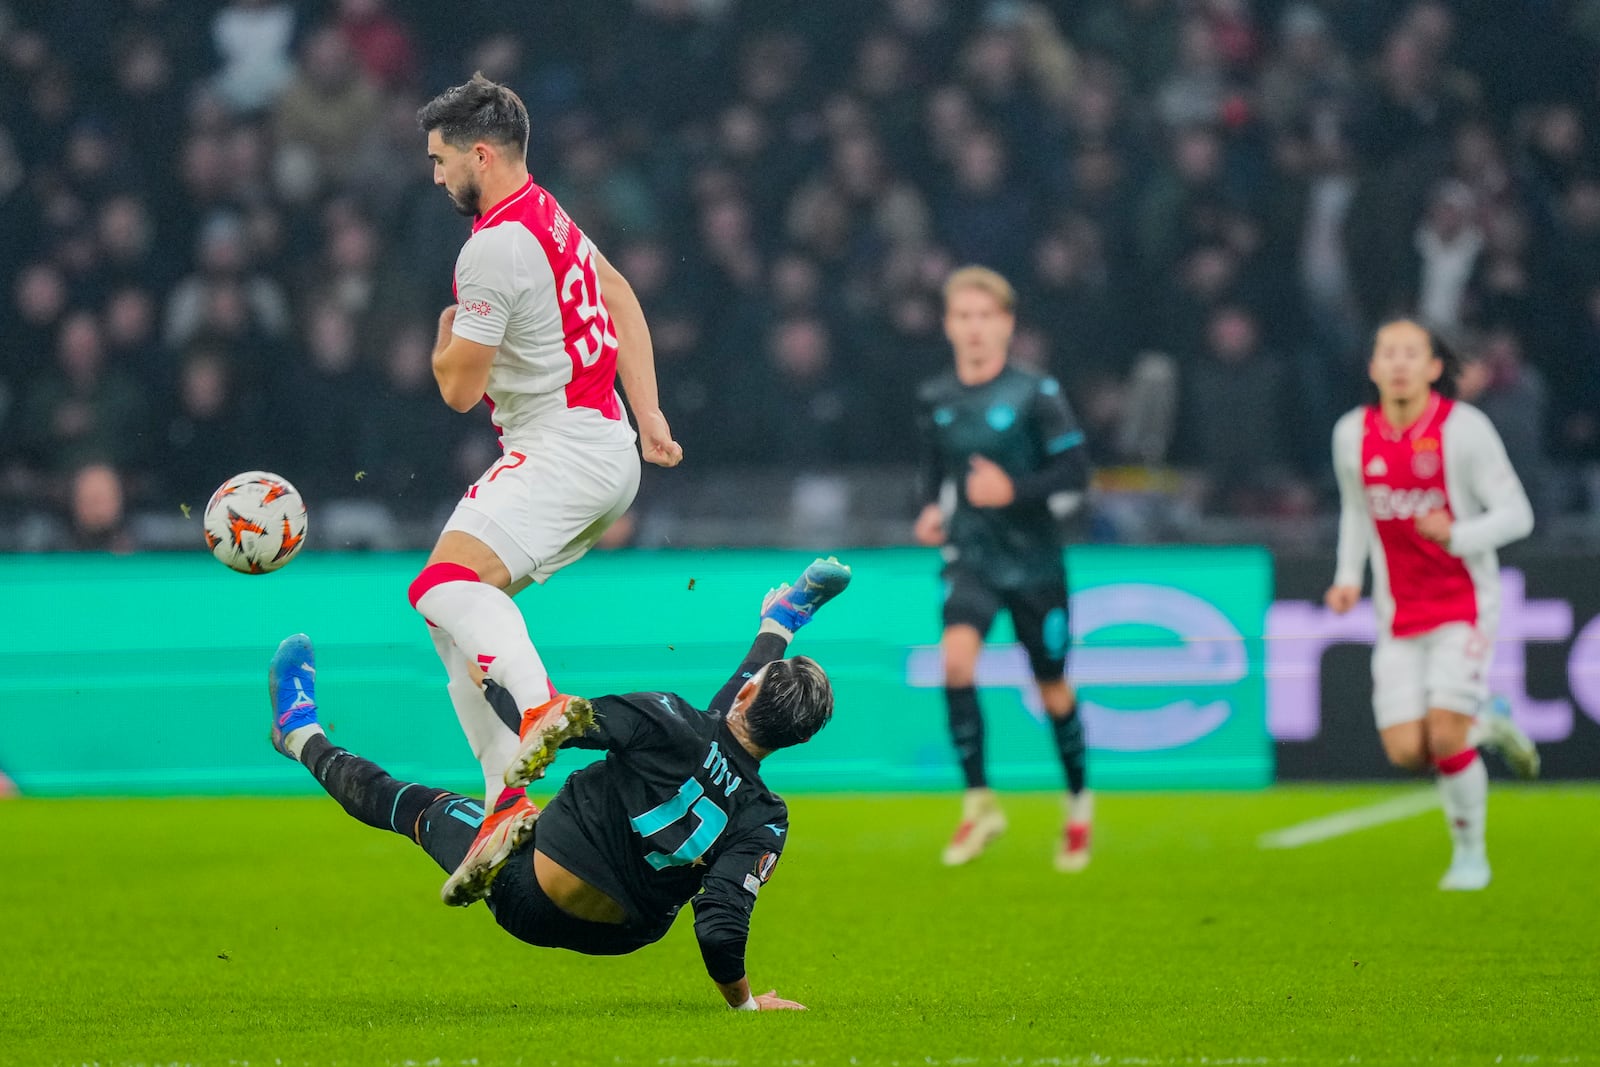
(526, 284)
(1450, 459)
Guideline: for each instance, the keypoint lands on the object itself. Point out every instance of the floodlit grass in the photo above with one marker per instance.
(280, 931)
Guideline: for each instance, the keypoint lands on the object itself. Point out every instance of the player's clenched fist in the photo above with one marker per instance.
(929, 528)
(655, 440)
(1341, 598)
(988, 485)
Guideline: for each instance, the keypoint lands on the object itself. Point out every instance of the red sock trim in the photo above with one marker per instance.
(437, 574)
(508, 796)
(1457, 763)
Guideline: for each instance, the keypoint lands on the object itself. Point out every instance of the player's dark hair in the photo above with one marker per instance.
(1446, 386)
(477, 110)
(794, 702)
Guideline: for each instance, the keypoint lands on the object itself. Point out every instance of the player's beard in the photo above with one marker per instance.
(468, 200)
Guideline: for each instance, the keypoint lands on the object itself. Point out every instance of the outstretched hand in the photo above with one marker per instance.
(770, 1001)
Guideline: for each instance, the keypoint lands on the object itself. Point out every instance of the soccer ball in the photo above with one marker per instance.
(255, 522)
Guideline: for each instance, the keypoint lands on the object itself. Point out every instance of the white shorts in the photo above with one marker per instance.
(1447, 667)
(545, 503)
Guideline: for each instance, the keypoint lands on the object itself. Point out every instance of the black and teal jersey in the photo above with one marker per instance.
(676, 811)
(1022, 422)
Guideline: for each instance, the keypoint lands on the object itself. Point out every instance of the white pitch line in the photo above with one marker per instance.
(1348, 822)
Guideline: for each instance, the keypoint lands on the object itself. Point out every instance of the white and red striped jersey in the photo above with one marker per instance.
(526, 284)
(1451, 459)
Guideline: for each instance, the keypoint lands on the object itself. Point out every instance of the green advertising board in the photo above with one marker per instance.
(146, 674)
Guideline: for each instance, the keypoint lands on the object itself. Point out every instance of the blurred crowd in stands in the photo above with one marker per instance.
(223, 250)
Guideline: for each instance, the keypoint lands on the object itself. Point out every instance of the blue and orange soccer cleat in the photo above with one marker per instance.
(292, 687)
(792, 606)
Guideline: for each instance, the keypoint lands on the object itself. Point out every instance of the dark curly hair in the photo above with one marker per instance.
(477, 110)
(794, 702)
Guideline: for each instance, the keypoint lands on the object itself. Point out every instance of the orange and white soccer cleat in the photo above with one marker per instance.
(502, 833)
(543, 730)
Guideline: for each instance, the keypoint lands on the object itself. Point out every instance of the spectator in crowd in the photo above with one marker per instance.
(1514, 396)
(82, 410)
(98, 519)
(254, 40)
(1236, 405)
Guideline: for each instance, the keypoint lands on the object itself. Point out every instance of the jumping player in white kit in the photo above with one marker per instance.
(541, 330)
(1428, 494)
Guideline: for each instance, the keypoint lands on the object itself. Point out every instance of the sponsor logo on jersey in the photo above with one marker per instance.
(480, 308)
(765, 864)
(1376, 467)
(751, 884)
(1403, 504)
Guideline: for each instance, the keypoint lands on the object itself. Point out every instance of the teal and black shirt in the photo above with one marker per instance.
(1022, 422)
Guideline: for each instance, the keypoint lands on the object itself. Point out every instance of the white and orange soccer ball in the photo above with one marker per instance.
(255, 522)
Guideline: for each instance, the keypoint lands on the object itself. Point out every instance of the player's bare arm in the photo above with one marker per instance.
(461, 367)
(636, 366)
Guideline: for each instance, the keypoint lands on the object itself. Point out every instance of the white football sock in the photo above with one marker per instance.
(1465, 794)
(1080, 807)
(492, 744)
(769, 626)
(489, 630)
(296, 739)
(1478, 732)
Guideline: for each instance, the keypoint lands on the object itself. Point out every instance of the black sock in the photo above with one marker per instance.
(966, 730)
(504, 705)
(763, 650)
(365, 789)
(1073, 749)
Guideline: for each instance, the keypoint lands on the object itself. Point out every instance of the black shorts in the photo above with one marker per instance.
(1038, 614)
(523, 910)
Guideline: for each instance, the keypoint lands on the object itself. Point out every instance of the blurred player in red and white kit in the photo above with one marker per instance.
(1428, 494)
(542, 328)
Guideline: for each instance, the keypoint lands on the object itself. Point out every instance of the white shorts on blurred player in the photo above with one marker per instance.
(1447, 667)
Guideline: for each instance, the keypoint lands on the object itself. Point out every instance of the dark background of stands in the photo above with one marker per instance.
(223, 250)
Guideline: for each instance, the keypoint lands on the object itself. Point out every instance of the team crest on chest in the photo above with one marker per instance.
(1001, 416)
(1425, 462)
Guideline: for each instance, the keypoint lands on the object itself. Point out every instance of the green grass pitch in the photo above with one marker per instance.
(278, 931)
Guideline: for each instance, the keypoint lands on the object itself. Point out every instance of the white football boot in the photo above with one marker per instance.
(981, 822)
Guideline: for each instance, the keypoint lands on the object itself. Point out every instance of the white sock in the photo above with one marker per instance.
(296, 739)
(489, 630)
(1465, 794)
(492, 744)
(1080, 807)
(769, 626)
(1478, 732)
